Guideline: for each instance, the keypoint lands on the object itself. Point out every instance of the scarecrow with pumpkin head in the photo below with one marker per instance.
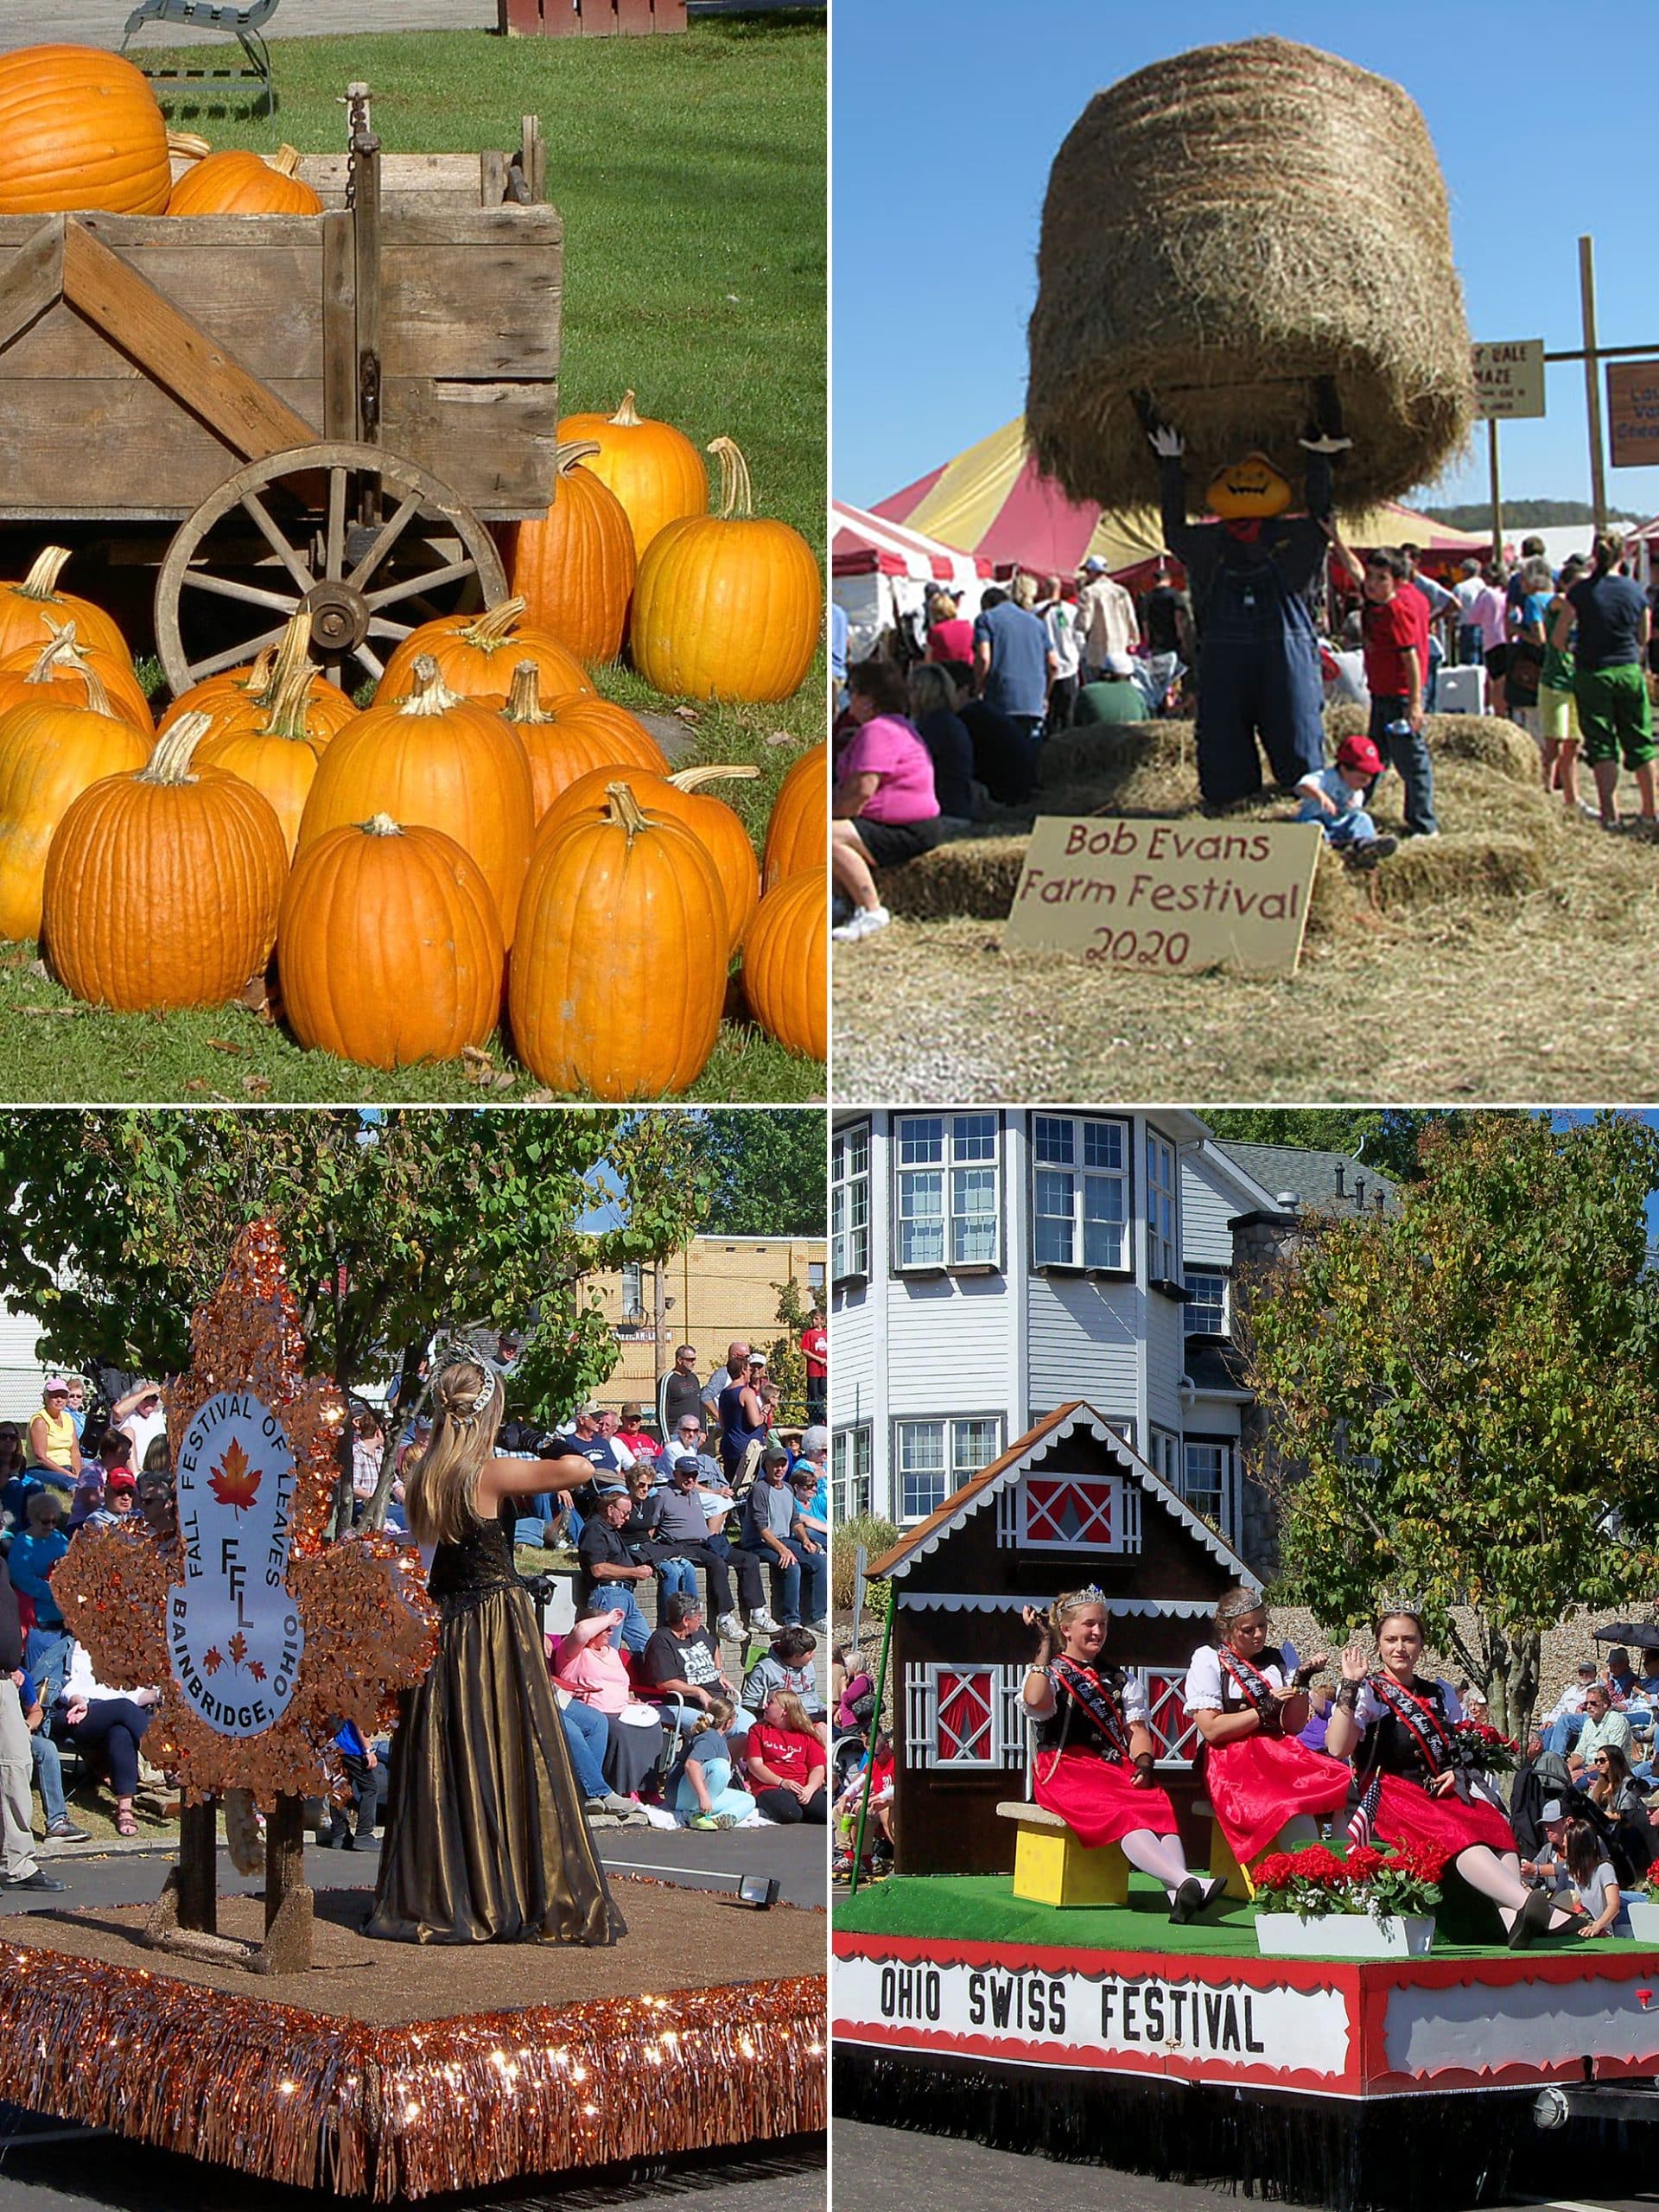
(1252, 571)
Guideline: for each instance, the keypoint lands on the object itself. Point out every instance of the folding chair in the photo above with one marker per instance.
(244, 24)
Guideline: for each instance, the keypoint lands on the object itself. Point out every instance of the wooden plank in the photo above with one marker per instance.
(365, 232)
(491, 179)
(471, 311)
(206, 376)
(532, 148)
(32, 282)
(493, 444)
(339, 329)
(526, 230)
(670, 15)
(400, 175)
(633, 17)
(118, 445)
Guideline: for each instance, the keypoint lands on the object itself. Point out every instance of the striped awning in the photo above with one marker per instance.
(865, 544)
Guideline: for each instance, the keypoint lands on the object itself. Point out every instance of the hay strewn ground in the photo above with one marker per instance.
(1510, 960)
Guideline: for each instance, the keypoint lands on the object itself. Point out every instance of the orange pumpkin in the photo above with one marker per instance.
(388, 946)
(272, 748)
(440, 760)
(239, 698)
(797, 834)
(726, 605)
(786, 963)
(574, 566)
(680, 798)
(79, 129)
(240, 183)
(162, 888)
(654, 469)
(64, 657)
(30, 611)
(52, 746)
(566, 738)
(617, 978)
(475, 652)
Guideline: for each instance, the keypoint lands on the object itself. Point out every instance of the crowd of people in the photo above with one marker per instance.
(938, 729)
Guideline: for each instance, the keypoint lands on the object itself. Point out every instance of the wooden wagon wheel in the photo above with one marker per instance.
(370, 544)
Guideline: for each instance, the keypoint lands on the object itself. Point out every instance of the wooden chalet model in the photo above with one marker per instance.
(1069, 1504)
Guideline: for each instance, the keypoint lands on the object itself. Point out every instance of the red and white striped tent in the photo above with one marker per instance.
(882, 571)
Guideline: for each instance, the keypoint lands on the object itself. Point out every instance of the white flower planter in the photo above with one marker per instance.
(1343, 1935)
(1644, 1923)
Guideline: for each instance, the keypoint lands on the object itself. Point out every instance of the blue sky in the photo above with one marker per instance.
(948, 112)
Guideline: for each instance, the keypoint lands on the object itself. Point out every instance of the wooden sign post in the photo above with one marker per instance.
(1166, 898)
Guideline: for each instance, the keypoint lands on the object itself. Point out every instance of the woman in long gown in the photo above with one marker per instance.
(1249, 1711)
(1397, 1725)
(485, 1839)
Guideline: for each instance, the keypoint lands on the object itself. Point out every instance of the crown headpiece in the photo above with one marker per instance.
(450, 1351)
(1075, 1600)
(1237, 1602)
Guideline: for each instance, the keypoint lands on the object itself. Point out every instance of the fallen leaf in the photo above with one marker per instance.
(254, 995)
(478, 1066)
(224, 1045)
(506, 1080)
(256, 1086)
(540, 1097)
(52, 1009)
(686, 714)
(38, 968)
(783, 737)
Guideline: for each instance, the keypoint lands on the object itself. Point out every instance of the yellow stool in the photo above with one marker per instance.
(1224, 1865)
(1052, 1867)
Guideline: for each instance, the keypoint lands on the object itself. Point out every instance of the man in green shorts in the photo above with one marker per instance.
(1610, 683)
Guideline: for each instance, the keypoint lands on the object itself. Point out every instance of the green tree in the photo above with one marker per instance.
(1386, 1137)
(397, 1225)
(767, 1170)
(1463, 1401)
(786, 1361)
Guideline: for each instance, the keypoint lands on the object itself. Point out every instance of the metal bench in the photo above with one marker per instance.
(244, 24)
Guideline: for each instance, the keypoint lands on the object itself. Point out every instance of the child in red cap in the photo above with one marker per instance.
(1334, 798)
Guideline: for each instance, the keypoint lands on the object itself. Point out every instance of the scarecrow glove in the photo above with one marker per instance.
(1167, 444)
(1324, 445)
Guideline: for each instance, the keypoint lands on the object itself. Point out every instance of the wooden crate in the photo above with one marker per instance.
(113, 412)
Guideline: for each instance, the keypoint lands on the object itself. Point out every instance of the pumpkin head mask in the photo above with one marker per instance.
(1249, 490)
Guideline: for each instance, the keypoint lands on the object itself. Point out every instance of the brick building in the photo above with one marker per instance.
(718, 1287)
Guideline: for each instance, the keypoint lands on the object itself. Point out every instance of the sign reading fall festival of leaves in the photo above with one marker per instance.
(233, 1632)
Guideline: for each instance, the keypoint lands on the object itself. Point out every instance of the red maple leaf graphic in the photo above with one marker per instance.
(255, 1670)
(234, 1481)
(239, 1648)
(212, 1659)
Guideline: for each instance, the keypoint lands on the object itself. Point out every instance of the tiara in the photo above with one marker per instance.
(452, 1352)
(1074, 1600)
(1398, 1601)
(1237, 1602)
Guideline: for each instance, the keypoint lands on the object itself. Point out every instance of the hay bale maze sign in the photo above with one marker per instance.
(1165, 897)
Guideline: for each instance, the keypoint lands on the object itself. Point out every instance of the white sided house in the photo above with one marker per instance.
(989, 1266)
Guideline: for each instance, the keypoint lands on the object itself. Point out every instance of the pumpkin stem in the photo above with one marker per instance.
(187, 145)
(627, 414)
(62, 647)
(171, 762)
(736, 496)
(289, 691)
(566, 457)
(431, 695)
(492, 627)
(381, 825)
(525, 699)
(257, 680)
(625, 811)
(716, 772)
(42, 582)
(285, 161)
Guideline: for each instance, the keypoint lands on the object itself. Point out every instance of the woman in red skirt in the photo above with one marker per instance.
(1249, 1711)
(1399, 1726)
(1095, 1758)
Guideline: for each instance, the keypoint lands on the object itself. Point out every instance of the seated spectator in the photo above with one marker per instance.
(787, 1763)
(1621, 1681)
(87, 1504)
(786, 1666)
(107, 1726)
(588, 1736)
(682, 1664)
(633, 1436)
(886, 809)
(47, 1764)
(35, 1550)
(704, 1795)
(157, 1503)
(854, 1692)
(609, 1568)
(1616, 1793)
(1602, 1725)
(682, 1536)
(933, 712)
(368, 1448)
(878, 1824)
(1546, 1866)
(120, 1497)
(1003, 763)
(53, 1443)
(585, 1663)
(1595, 1885)
(770, 1521)
(1113, 697)
(1566, 1717)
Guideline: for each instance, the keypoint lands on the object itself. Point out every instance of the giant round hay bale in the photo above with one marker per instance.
(1222, 231)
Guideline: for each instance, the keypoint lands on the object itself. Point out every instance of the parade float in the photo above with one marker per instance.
(1009, 1985)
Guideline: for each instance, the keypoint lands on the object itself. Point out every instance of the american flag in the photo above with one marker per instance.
(1359, 1829)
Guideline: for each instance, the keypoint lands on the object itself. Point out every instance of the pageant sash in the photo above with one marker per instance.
(1430, 1735)
(1086, 1689)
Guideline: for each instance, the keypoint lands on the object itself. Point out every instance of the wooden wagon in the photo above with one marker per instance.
(321, 410)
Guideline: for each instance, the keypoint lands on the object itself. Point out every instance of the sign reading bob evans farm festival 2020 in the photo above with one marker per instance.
(233, 1632)
(1165, 897)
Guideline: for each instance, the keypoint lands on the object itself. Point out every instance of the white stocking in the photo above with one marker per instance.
(1495, 1878)
(1160, 1856)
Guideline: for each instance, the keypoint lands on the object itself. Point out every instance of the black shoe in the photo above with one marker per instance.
(348, 1842)
(1532, 1920)
(66, 1832)
(40, 1879)
(1188, 1902)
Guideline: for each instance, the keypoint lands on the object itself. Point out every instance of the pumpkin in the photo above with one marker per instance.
(475, 652)
(32, 610)
(726, 605)
(79, 129)
(272, 748)
(798, 835)
(572, 735)
(162, 888)
(239, 698)
(617, 978)
(786, 963)
(654, 469)
(52, 746)
(240, 183)
(439, 761)
(680, 798)
(574, 567)
(388, 946)
(63, 657)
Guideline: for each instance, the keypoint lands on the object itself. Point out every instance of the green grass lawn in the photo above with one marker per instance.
(691, 172)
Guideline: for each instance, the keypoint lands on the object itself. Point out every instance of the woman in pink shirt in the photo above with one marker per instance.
(887, 810)
(587, 1666)
(950, 635)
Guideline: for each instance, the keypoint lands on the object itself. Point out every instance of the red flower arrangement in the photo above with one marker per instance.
(1398, 1882)
(1477, 1749)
